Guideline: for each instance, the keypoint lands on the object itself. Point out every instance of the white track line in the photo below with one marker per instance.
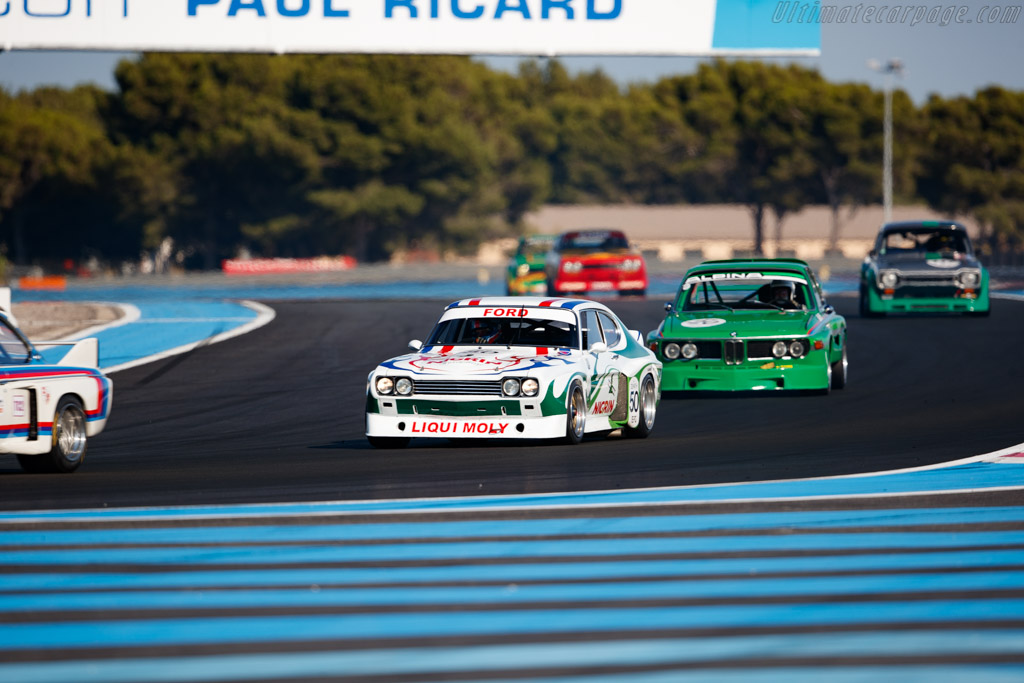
(264, 314)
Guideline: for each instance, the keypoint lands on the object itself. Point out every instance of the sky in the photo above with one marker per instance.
(951, 60)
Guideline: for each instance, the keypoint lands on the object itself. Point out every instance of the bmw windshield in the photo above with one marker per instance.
(743, 291)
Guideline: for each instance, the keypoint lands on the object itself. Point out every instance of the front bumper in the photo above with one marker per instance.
(451, 427)
(906, 300)
(808, 374)
(601, 284)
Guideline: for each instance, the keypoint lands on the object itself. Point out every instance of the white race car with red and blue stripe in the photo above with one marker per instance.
(48, 411)
(516, 368)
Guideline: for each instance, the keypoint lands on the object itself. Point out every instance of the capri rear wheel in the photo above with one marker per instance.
(648, 410)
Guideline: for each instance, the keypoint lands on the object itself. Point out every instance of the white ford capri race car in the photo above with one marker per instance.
(48, 411)
(516, 368)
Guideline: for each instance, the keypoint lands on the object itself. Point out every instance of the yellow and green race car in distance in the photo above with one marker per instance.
(750, 325)
(525, 274)
(923, 267)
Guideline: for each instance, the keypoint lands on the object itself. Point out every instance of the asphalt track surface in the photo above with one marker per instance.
(277, 415)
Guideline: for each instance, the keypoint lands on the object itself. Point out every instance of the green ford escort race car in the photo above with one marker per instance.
(923, 267)
(748, 325)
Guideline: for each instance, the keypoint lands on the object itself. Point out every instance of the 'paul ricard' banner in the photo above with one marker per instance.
(526, 27)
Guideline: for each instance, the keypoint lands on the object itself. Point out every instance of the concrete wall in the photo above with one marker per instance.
(678, 233)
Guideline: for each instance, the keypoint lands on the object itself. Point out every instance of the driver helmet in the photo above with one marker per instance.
(484, 331)
(782, 290)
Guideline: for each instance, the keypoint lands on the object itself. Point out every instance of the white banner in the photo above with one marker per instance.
(491, 27)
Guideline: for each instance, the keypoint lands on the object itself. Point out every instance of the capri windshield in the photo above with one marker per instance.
(505, 332)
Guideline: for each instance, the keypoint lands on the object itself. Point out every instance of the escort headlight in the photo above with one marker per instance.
(572, 266)
(510, 387)
(779, 349)
(797, 349)
(689, 350)
(403, 386)
(969, 278)
(890, 278)
(385, 385)
(530, 387)
(671, 351)
(631, 264)
(523, 269)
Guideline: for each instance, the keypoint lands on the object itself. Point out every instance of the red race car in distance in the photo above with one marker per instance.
(595, 261)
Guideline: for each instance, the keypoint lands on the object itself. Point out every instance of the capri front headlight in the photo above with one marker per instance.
(385, 385)
(530, 387)
(403, 386)
(510, 387)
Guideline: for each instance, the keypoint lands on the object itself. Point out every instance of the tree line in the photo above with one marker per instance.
(363, 155)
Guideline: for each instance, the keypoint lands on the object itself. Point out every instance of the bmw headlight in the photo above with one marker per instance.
(689, 350)
(530, 387)
(572, 266)
(779, 349)
(403, 386)
(510, 387)
(797, 349)
(631, 265)
(385, 385)
(889, 279)
(671, 351)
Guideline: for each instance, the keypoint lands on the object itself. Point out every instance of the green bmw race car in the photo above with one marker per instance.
(748, 325)
(923, 267)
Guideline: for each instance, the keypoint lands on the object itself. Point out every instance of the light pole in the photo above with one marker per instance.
(890, 68)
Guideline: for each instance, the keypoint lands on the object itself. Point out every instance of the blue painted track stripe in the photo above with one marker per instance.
(591, 570)
(664, 652)
(824, 520)
(966, 477)
(513, 549)
(746, 588)
(60, 636)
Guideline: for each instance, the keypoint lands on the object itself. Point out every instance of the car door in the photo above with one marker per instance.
(607, 396)
(596, 360)
(18, 393)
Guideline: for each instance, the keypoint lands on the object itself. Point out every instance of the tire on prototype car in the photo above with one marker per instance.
(68, 441)
(575, 414)
(648, 411)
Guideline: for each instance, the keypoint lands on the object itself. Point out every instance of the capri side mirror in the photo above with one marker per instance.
(415, 345)
(598, 347)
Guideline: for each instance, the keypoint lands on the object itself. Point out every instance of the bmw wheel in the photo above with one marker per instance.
(839, 371)
(68, 441)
